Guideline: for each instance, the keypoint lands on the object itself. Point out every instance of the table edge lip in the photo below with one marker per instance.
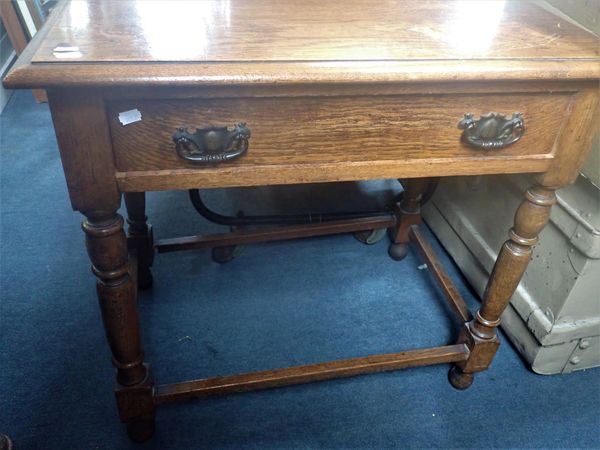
(56, 75)
(26, 74)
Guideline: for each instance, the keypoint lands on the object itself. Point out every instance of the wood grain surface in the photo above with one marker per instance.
(83, 138)
(313, 30)
(266, 379)
(252, 42)
(576, 138)
(332, 91)
(315, 130)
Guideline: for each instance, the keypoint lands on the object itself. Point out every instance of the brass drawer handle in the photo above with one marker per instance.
(492, 131)
(212, 145)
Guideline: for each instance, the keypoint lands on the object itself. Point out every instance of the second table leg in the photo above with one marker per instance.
(408, 213)
(140, 236)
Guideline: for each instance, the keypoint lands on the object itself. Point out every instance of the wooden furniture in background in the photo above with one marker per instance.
(13, 26)
(328, 91)
(18, 37)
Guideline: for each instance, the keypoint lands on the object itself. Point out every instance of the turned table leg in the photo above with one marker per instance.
(408, 213)
(480, 334)
(107, 247)
(140, 236)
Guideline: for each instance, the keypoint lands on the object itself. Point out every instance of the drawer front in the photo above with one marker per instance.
(296, 133)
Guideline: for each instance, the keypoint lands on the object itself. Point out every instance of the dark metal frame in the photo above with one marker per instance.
(277, 219)
(281, 226)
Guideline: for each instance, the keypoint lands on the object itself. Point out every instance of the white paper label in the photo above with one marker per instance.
(66, 52)
(131, 116)
(64, 48)
(68, 55)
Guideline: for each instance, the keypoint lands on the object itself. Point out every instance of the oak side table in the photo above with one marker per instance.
(151, 95)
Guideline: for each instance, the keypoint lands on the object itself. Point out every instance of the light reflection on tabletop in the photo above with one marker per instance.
(79, 15)
(195, 24)
(474, 27)
(315, 31)
(470, 30)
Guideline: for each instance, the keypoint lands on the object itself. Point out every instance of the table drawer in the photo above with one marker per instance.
(308, 131)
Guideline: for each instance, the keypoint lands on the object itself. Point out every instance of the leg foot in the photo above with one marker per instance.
(398, 251)
(458, 379)
(408, 213)
(225, 254)
(140, 430)
(370, 237)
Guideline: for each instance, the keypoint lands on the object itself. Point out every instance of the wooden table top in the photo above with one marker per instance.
(313, 30)
(237, 41)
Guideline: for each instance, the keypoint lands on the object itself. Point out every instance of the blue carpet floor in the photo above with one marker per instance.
(278, 304)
